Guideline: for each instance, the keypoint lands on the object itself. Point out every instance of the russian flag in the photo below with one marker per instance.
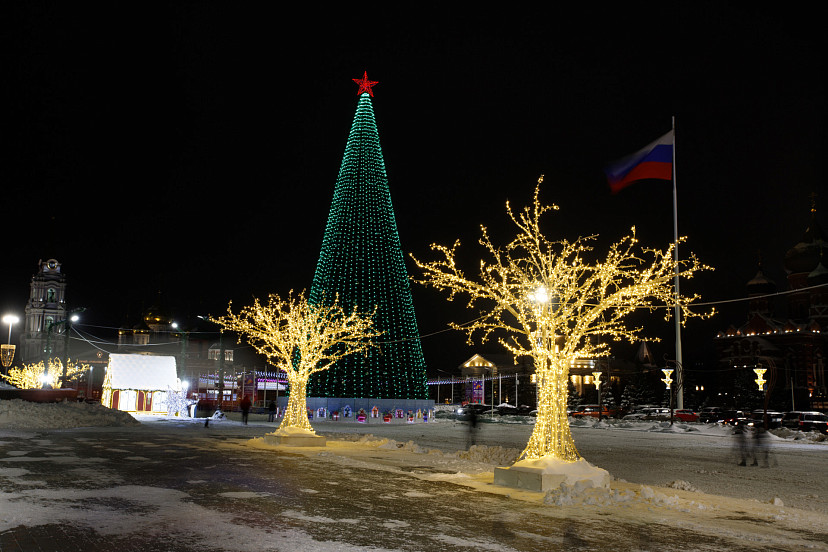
(655, 160)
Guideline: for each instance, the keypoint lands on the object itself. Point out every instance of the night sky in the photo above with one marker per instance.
(191, 149)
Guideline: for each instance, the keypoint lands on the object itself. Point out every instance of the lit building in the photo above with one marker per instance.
(498, 378)
(197, 353)
(45, 312)
(792, 347)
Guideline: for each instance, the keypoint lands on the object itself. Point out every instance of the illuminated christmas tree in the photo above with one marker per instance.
(33, 376)
(362, 263)
(301, 339)
(549, 300)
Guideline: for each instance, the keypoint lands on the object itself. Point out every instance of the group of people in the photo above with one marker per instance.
(245, 405)
(752, 447)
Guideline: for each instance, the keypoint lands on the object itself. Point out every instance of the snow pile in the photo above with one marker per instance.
(496, 456)
(580, 473)
(812, 436)
(293, 432)
(582, 494)
(410, 446)
(20, 414)
(682, 485)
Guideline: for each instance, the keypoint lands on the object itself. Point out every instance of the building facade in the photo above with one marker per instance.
(44, 328)
(789, 342)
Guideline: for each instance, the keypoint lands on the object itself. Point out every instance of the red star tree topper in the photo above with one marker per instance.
(365, 85)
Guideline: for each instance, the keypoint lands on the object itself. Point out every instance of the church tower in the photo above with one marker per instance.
(46, 306)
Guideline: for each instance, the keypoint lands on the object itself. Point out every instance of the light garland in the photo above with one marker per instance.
(361, 261)
(301, 339)
(668, 381)
(760, 377)
(34, 376)
(546, 301)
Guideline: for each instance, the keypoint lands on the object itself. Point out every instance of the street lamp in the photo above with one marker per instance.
(220, 369)
(484, 388)
(71, 316)
(452, 385)
(760, 377)
(597, 382)
(667, 381)
(8, 349)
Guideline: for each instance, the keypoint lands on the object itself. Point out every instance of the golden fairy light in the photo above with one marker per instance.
(546, 300)
(760, 377)
(34, 376)
(301, 339)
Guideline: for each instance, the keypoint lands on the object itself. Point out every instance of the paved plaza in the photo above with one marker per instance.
(184, 487)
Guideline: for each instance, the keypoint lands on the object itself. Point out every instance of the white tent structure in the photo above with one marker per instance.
(139, 383)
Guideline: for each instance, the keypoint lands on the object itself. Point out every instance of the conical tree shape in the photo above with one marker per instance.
(362, 262)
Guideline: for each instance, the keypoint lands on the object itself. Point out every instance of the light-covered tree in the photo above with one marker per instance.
(301, 339)
(34, 376)
(550, 301)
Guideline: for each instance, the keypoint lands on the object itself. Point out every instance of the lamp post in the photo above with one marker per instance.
(220, 370)
(183, 335)
(668, 381)
(71, 316)
(484, 388)
(438, 386)
(8, 349)
(760, 381)
(597, 382)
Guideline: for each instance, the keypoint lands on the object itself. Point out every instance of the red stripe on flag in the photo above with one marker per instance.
(644, 171)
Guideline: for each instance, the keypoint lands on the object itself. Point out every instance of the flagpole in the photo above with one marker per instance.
(679, 364)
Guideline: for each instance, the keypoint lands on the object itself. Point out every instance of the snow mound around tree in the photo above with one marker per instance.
(579, 472)
(293, 432)
(20, 414)
(497, 456)
(582, 494)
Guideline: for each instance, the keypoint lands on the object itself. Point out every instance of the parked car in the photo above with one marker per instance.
(659, 413)
(649, 413)
(645, 413)
(805, 421)
(592, 410)
(774, 419)
(734, 418)
(685, 415)
(463, 411)
(710, 415)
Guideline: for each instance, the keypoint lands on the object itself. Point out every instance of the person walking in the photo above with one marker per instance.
(471, 419)
(271, 411)
(245, 408)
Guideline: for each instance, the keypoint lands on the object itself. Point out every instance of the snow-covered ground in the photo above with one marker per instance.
(684, 474)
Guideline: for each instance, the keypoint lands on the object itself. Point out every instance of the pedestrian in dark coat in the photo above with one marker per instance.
(245, 408)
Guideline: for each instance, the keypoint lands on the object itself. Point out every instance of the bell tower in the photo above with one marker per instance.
(46, 305)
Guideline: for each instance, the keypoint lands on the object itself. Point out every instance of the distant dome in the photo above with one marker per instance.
(761, 284)
(818, 276)
(807, 254)
(156, 315)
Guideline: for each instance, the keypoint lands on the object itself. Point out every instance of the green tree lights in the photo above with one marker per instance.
(362, 263)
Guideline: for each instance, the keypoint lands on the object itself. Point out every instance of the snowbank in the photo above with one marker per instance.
(19, 414)
(293, 432)
(576, 474)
